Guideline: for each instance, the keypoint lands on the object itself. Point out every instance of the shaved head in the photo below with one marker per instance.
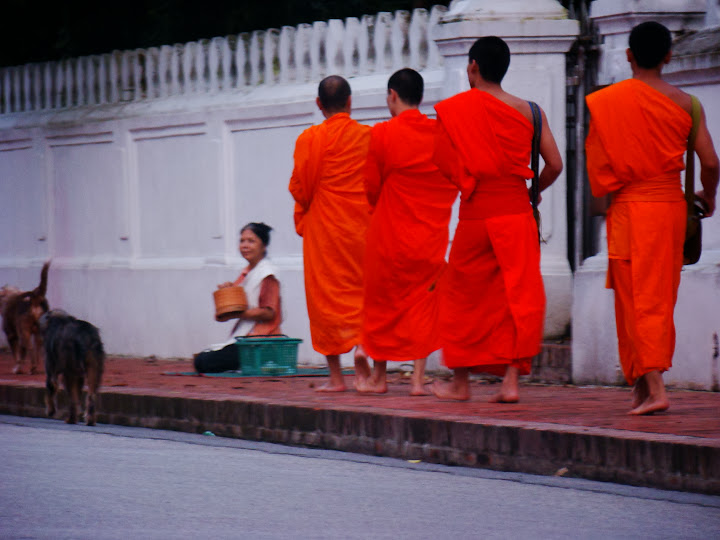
(408, 84)
(650, 42)
(333, 93)
(492, 56)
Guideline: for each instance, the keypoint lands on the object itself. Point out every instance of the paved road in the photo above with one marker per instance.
(59, 481)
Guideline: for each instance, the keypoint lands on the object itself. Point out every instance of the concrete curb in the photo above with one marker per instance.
(642, 459)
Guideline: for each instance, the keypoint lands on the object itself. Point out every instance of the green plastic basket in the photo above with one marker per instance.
(268, 355)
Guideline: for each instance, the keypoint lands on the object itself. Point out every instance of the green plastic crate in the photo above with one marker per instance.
(264, 355)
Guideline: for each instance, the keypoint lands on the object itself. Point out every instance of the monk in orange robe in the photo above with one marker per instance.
(408, 236)
(635, 147)
(332, 216)
(492, 300)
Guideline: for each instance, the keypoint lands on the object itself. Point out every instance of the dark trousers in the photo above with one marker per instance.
(226, 359)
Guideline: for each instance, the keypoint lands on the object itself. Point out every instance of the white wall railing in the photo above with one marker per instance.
(357, 46)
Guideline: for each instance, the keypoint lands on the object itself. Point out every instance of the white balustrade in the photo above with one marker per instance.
(293, 55)
(48, 83)
(302, 52)
(255, 57)
(25, 70)
(69, 84)
(223, 45)
(363, 44)
(213, 64)
(102, 76)
(270, 45)
(417, 37)
(59, 85)
(137, 74)
(90, 69)
(151, 60)
(287, 36)
(434, 57)
(398, 39)
(115, 82)
(175, 55)
(200, 75)
(17, 73)
(241, 60)
(381, 37)
(333, 47)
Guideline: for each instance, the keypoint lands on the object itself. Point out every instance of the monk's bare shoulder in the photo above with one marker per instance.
(519, 104)
(681, 98)
(674, 93)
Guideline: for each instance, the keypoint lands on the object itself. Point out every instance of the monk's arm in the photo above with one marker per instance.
(445, 156)
(551, 156)
(374, 167)
(600, 172)
(709, 165)
(299, 181)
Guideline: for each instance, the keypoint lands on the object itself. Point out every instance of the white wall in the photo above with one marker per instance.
(134, 171)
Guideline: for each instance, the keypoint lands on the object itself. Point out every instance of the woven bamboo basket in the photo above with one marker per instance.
(230, 302)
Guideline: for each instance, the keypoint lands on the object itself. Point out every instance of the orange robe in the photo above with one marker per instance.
(635, 148)
(492, 304)
(407, 240)
(332, 216)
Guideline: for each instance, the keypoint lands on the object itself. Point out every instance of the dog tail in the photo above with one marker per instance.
(42, 288)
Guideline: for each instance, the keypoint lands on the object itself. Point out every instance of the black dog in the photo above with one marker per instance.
(74, 350)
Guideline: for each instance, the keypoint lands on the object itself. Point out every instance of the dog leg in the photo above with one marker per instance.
(93, 382)
(20, 352)
(50, 395)
(73, 389)
(34, 355)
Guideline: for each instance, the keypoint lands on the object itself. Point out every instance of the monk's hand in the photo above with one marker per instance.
(539, 195)
(225, 285)
(709, 202)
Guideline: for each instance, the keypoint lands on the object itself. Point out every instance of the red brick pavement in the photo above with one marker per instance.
(693, 414)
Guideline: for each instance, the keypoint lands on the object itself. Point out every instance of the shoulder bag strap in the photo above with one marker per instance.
(535, 163)
(690, 160)
(535, 156)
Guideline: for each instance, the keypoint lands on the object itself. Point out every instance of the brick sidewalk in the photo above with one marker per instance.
(578, 431)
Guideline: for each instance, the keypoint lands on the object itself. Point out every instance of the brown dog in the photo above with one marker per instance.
(6, 292)
(73, 350)
(20, 314)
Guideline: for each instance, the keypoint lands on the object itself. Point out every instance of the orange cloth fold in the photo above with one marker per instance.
(407, 239)
(492, 299)
(635, 149)
(332, 216)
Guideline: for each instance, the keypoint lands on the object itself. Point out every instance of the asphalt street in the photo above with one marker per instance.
(59, 481)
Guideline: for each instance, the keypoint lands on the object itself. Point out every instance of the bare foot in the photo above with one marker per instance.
(419, 390)
(651, 405)
(373, 386)
(329, 387)
(451, 391)
(505, 396)
(639, 392)
(509, 389)
(360, 382)
(362, 368)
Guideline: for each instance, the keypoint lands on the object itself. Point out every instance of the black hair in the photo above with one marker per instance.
(492, 55)
(333, 92)
(650, 42)
(261, 230)
(408, 84)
